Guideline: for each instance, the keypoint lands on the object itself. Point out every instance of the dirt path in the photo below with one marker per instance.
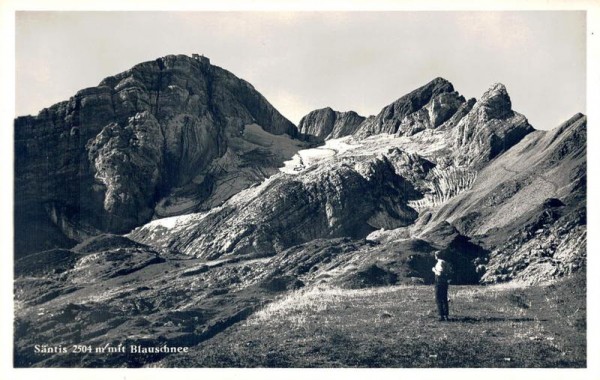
(544, 178)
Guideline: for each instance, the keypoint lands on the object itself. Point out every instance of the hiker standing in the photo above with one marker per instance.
(443, 271)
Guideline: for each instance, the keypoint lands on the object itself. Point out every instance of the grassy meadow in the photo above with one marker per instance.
(506, 325)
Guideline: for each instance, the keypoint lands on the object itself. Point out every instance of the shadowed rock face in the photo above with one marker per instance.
(480, 130)
(329, 124)
(102, 160)
(439, 92)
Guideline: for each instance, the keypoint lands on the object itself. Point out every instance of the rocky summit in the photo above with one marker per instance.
(172, 201)
(166, 137)
(329, 124)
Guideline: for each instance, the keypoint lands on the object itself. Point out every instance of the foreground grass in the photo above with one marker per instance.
(499, 326)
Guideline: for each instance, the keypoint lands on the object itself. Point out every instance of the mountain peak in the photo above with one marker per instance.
(436, 86)
(326, 123)
(195, 56)
(495, 89)
(496, 102)
(391, 117)
(172, 118)
(441, 81)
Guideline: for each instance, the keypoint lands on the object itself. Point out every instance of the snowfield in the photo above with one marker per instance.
(308, 157)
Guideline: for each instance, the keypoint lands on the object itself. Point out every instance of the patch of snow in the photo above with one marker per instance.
(341, 145)
(308, 157)
(292, 166)
(164, 222)
(172, 223)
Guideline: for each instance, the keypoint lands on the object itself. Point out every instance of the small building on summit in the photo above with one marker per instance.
(201, 58)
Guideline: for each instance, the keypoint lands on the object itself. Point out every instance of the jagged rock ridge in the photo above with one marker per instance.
(481, 129)
(426, 107)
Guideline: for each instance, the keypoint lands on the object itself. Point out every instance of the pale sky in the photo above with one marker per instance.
(358, 61)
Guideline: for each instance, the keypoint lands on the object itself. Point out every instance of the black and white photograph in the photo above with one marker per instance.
(293, 189)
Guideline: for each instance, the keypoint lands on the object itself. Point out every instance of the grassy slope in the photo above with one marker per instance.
(496, 326)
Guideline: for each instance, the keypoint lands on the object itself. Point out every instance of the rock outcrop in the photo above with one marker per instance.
(168, 132)
(490, 128)
(426, 107)
(342, 198)
(324, 124)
